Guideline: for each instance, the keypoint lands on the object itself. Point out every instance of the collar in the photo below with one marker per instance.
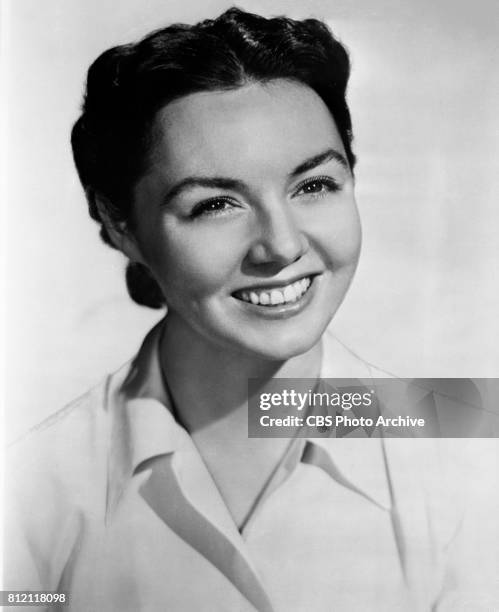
(359, 463)
(143, 425)
(142, 422)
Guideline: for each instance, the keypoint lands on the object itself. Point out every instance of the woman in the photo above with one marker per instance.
(217, 157)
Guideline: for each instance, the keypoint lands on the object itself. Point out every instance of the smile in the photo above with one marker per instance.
(277, 296)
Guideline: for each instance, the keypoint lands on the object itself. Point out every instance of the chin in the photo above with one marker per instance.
(284, 345)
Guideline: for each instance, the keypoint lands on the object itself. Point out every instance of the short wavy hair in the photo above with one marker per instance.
(128, 84)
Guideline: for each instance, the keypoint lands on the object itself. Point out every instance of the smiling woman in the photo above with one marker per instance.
(249, 192)
(217, 158)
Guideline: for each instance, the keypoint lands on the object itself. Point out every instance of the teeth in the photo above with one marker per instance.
(254, 298)
(276, 297)
(285, 295)
(289, 294)
(264, 298)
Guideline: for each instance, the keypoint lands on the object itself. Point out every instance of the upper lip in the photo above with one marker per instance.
(276, 284)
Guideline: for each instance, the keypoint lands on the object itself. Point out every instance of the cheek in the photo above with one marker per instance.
(194, 261)
(339, 236)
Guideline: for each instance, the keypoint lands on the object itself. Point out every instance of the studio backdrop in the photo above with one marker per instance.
(424, 96)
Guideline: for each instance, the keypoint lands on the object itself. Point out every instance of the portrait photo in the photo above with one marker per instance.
(214, 216)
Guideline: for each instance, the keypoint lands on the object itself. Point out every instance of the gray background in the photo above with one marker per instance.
(424, 97)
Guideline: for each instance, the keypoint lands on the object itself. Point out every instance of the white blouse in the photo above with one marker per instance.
(110, 501)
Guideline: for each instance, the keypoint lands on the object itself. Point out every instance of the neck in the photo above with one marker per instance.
(209, 383)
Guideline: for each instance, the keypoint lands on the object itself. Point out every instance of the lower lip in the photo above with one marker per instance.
(283, 311)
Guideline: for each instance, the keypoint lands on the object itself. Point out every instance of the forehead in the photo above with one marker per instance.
(256, 128)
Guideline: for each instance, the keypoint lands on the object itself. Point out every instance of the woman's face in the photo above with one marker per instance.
(247, 217)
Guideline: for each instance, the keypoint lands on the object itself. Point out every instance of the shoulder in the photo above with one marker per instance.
(54, 485)
(66, 451)
(454, 468)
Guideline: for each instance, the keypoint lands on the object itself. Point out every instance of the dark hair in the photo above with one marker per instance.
(128, 84)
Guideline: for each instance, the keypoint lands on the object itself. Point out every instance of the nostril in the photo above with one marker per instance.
(258, 254)
(279, 251)
(270, 268)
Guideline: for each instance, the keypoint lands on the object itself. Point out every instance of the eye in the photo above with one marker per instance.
(317, 186)
(212, 207)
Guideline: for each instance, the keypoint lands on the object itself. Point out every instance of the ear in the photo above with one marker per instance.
(119, 233)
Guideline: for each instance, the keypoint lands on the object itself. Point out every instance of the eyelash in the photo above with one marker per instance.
(202, 207)
(330, 185)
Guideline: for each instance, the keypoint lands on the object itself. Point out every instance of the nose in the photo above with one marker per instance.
(279, 240)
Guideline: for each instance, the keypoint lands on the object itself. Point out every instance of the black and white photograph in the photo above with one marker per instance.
(250, 258)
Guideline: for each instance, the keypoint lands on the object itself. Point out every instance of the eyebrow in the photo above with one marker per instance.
(219, 182)
(216, 182)
(318, 160)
